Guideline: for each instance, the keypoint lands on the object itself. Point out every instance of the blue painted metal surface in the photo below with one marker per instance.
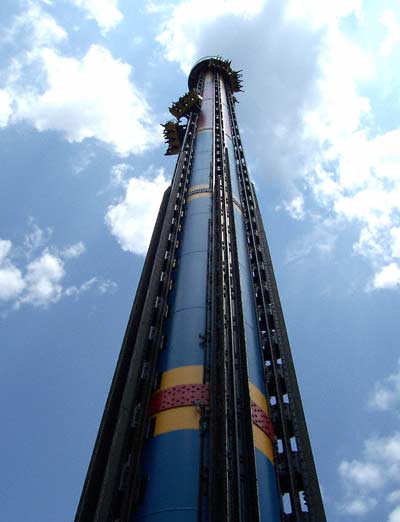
(183, 347)
(203, 144)
(171, 463)
(191, 281)
(254, 360)
(195, 237)
(187, 300)
(201, 167)
(267, 489)
(200, 205)
(208, 90)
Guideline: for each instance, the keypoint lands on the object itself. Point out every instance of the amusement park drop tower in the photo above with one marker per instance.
(204, 420)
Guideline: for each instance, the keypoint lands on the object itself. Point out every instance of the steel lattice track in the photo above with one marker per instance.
(232, 486)
(295, 468)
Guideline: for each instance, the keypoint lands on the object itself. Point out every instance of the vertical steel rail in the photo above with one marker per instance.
(304, 459)
(242, 401)
(295, 466)
(219, 491)
(204, 411)
(233, 487)
(242, 434)
(230, 393)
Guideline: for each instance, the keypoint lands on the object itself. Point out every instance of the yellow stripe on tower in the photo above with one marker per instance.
(263, 443)
(182, 375)
(259, 398)
(261, 440)
(182, 418)
(198, 195)
(188, 417)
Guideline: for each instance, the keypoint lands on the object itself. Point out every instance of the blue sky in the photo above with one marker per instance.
(84, 85)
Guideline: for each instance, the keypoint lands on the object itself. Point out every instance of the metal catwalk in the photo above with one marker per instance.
(204, 421)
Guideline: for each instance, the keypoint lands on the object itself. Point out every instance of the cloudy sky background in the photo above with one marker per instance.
(84, 85)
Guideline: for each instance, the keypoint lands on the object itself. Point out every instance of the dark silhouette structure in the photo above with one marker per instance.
(204, 420)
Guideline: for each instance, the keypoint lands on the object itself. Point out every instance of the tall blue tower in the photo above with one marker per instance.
(204, 421)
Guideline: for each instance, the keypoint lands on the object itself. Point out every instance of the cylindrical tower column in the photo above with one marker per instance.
(172, 455)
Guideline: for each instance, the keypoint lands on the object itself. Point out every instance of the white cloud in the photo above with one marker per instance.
(103, 286)
(119, 174)
(132, 220)
(356, 173)
(394, 516)
(74, 250)
(364, 475)
(365, 480)
(295, 207)
(40, 281)
(394, 496)
(5, 247)
(359, 506)
(35, 237)
(319, 14)
(118, 177)
(184, 23)
(11, 280)
(388, 277)
(75, 291)
(339, 106)
(362, 183)
(36, 26)
(84, 160)
(321, 240)
(386, 450)
(395, 240)
(104, 12)
(5, 108)
(43, 280)
(389, 20)
(45, 29)
(386, 393)
(89, 98)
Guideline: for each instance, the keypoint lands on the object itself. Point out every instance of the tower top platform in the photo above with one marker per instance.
(216, 63)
